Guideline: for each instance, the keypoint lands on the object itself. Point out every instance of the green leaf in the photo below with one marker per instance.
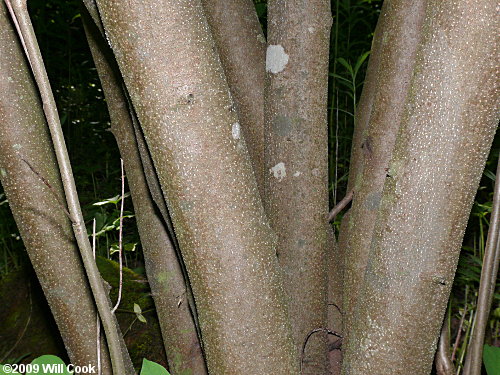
(152, 368)
(114, 248)
(491, 359)
(116, 222)
(48, 365)
(130, 246)
(346, 65)
(5, 372)
(137, 308)
(490, 175)
(360, 62)
(112, 200)
(141, 318)
(342, 79)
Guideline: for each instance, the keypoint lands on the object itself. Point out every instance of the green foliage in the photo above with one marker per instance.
(138, 313)
(152, 368)
(353, 25)
(491, 359)
(137, 292)
(106, 213)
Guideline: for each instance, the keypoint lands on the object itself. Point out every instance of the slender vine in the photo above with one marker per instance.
(19, 12)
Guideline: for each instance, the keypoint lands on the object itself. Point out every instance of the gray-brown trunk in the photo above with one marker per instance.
(162, 265)
(402, 29)
(296, 196)
(446, 132)
(172, 70)
(242, 49)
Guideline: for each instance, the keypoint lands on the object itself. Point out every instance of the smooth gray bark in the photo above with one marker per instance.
(296, 157)
(402, 29)
(242, 50)
(365, 104)
(162, 265)
(171, 68)
(447, 129)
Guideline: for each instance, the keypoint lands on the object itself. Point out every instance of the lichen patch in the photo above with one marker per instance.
(278, 171)
(236, 130)
(276, 59)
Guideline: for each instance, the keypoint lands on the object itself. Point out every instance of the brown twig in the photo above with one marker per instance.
(340, 206)
(316, 330)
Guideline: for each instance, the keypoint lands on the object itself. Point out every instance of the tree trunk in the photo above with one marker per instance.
(402, 29)
(26, 159)
(446, 132)
(242, 50)
(172, 71)
(162, 265)
(364, 108)
(335, 316)
(296, 195)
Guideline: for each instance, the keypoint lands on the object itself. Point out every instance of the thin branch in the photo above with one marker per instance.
(444, 365)
(459, 334)
(120, 236)
(489, 273)
(19, 12)
(340, 206)
(316, 330)
(98, 333)
(18, 29)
